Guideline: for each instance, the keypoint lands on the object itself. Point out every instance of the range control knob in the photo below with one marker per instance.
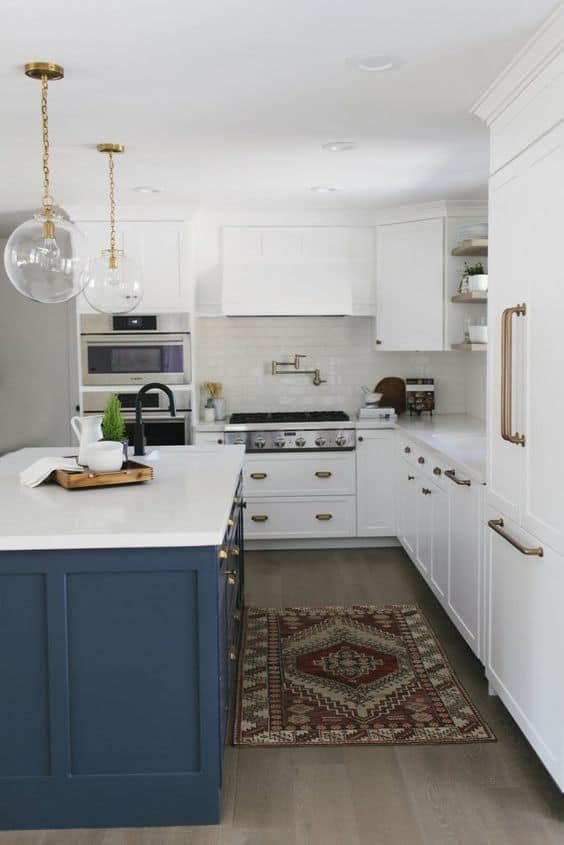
(341, 440)
(279, 442)
(300, 442)
(260, 442)
(320, 440)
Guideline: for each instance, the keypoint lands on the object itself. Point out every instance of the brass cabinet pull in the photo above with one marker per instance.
(224, 554)
(426, 491)
(258, 476)
(497, 526)
(233, 654)
(464, 482)
(324, 517)
(231, 522)
(437, 471)
(259, 517)
(323, 474)
(235, 551)
(236, 616)
(507, 374)
(420, 460)
(407, 450)
(411, 478)
(231, 576)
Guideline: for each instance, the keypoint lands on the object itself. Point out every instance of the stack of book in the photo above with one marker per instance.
(376, 413)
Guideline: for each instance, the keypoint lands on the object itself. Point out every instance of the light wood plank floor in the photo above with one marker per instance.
(482, 794)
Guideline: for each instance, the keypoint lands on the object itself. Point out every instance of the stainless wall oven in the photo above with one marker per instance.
(135, 349)
(160, 428)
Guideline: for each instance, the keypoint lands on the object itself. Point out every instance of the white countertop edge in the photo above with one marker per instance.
(118, 542)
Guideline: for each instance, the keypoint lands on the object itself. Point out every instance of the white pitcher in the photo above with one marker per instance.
(88, 430)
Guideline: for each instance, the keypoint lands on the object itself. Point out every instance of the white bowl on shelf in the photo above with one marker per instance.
(478, 334)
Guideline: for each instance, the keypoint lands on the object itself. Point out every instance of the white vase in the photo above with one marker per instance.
(478, 334)
(220, 408)
(478, 282)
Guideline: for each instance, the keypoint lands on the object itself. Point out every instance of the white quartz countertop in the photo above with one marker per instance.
(459, 437)
(186, 504)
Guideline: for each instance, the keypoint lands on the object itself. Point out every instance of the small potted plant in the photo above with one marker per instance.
(474, 278)
(113, 424)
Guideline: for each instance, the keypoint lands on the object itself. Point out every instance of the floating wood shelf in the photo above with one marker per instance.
(469, 347)
(475, 247)
(473, 296)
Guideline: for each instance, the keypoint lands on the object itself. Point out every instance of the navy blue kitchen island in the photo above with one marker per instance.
(118, 662)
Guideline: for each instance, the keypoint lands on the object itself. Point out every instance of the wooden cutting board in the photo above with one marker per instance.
(393, 390)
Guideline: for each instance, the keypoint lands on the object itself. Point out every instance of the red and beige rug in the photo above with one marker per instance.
(359, 675)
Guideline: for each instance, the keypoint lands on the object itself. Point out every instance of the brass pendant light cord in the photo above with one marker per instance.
(113, 256)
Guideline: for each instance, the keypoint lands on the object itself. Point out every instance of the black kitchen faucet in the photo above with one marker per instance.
(139, 426)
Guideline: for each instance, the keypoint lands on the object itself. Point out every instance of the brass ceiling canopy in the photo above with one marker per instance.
(38, 70)
(110, 148)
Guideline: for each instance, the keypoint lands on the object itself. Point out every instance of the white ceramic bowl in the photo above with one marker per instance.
(372, 398)
(105, 456)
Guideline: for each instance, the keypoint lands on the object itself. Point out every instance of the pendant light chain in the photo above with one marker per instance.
(47, 199)
(113, 250)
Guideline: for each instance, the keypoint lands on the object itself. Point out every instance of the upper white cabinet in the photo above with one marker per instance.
(160, 249)
(301, 270)
(410, 298)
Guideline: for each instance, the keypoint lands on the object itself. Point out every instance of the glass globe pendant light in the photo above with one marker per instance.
(112, 281)
(43, 255)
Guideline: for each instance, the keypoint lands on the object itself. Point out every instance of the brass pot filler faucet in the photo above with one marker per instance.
(288, 368)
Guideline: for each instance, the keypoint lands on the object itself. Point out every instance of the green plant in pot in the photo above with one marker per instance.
(113, 423)
(478, 283)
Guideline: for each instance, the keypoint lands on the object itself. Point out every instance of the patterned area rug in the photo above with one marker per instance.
(359, 675)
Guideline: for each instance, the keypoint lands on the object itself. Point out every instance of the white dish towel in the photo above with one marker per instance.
(41, 470)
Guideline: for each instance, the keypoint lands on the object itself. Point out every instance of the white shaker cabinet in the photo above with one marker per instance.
(160, 250)
(410, 285)
(407, 482)
(375, 463)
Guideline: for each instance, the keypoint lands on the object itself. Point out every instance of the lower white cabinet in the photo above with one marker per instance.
(526, 632)
(300, 517)
(375, 463)
(439, 526)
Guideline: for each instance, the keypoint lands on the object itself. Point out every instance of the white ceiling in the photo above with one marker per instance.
(227, 102)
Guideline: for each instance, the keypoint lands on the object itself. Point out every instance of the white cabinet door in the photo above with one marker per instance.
(526, 632)
(375, 465)
(424, 525)
(440, 555)
(465, 549)
(96, 238)
(407, 507)
(507, 287)
(542, 507)
(410, 285)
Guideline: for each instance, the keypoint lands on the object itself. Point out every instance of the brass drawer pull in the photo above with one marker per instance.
(437, 471)
(233, 655)
(258, 476)
(235, 551)
(231, 522)
(426, 491)
(451, 473)
(259, 517)
(324, 517)
(507, 374)
(497, 526)
(323, 474)
(236, 616)
(231, 576)
(224, 554)
(407, 450)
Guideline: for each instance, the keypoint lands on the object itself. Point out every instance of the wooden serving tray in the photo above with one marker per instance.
(131, 473)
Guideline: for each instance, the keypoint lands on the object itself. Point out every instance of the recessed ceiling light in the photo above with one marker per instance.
(339, 146)
(147, 189)
(323, 189)
(373, 63)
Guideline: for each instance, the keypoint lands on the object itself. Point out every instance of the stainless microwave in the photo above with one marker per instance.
(135, 349)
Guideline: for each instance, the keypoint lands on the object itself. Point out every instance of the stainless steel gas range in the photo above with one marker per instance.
(295, 431)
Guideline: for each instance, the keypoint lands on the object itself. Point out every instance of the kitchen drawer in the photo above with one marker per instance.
(303, 474)
(209, 438)
(300, 517)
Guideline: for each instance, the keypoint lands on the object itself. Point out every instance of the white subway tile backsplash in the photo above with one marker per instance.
(239, 351)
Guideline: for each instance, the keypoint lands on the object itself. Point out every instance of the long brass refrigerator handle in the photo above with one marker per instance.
(507, 374)
(497, 526)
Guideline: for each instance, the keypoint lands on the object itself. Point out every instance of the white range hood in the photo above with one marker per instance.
(286, 290)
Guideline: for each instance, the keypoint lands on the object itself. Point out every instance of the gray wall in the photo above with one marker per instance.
(38, 370)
